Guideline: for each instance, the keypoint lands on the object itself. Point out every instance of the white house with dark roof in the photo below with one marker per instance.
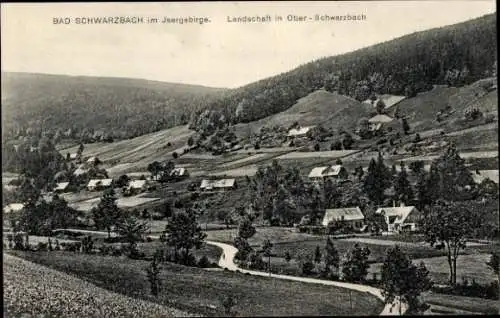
(179, 172)
(480, 175)
(333, 171)
(138, 185)
(402, 218)
(61, 187)
(377, 121)
(350, 216)
(13, 207)
(96, 184)
(223, 184)
(299, 132)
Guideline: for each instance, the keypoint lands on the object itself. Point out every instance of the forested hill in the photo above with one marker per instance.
(83, 106)
(454, 55)
(91, 108)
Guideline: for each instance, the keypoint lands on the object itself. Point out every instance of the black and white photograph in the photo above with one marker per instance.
(249, 159)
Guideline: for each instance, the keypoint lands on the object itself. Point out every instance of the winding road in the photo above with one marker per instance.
(227, 261)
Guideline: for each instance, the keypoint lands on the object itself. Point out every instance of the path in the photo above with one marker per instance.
(227, 261)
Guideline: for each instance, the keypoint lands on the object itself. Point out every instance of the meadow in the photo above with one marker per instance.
(255, 296)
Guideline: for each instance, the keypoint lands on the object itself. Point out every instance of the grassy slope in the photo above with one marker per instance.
(194, 289)
(311, 110)
(40, 291)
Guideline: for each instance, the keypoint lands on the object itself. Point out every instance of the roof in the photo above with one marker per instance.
(178, 172)
(223, 183)
(345, 214)
(102, 182)
(327, 171)
(61, 186)
(80, 171)
(485, 174)
(299, 131)
(380, 118)
(402, 212)
(73, 155)
(92, 159)
(137, 184)
(13, 207)
(389, 100)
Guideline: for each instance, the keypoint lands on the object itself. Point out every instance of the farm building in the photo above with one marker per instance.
(377, 121)
(299, 132)
(80, 171)
(61, 187)
(97, 184)
(480, 175)
(93, 160)
(13, 207)
(224, 184)
(138, 185)
(333, 172)
(73, 156)
(179, 173)
(351, 216)
(402, 218)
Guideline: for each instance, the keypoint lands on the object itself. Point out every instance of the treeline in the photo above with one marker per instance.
(103, 109)
(454, 55)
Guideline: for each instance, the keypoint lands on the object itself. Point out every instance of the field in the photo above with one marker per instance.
(31, 289)
(468, 266)
(333, 154)
(123, 202)
(469, 305)
(255, 296)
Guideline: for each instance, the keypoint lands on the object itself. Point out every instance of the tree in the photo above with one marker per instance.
(355, 267)
(417, 166)
(190, 141)
(132, 230)
(377, 180)
(154, 168)
(107, 214)
(153, 273)
(288, 256)
(331, 257)
(347, 141)
(316, 147)
(447, 226)
(317, 255)
(406, 126)
(403, 189)
(122, 181)
(453, 177)
(81, 147)
(380, 107)
(267, 247)
(494, 264)
(228, 303)
(184, 233)
(403, 280)
(417, 138)
(246, 229)
(175, 155)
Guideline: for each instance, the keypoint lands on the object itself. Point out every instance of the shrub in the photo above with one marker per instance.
(87, 245)
(57, 247)
(175, 155)
(153, 274)
(19, 242)
(203, 262)
(42, 247)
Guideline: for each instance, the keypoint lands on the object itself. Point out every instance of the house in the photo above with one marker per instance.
(402, 218)
(179, 173)
(138, 185)
(97, 184)
(299, 132)
(480, 175)
(13, 207)
(351, 216)
(377, 121)
(334, 172)
(93, 160)
(73, 156)
(224, 184)
(61, 187)
(80, 171)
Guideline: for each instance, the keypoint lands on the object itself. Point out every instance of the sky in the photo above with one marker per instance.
(217, 54)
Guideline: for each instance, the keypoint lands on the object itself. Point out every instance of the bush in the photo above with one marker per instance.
(87, 245)
(470, 290)
(42, 247)
(204, 262)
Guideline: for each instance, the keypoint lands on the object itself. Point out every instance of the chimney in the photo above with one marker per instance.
(393, 203)
(402, 204)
